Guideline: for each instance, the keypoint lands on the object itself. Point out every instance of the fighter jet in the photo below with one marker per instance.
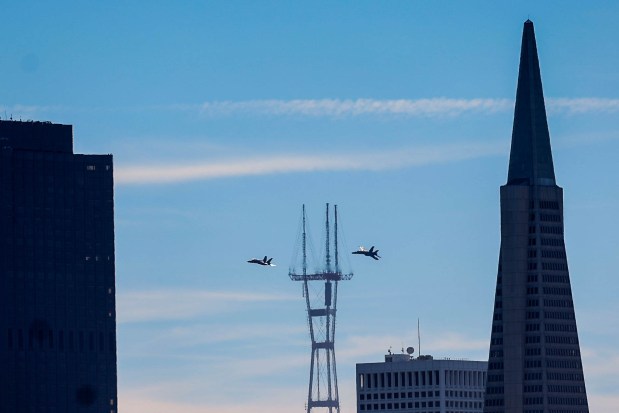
(263, 261)
(370, 253)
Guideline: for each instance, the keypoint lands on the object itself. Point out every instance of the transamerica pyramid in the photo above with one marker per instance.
(534, 364)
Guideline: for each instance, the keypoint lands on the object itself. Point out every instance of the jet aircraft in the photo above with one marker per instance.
(263, 261)
(370, 253)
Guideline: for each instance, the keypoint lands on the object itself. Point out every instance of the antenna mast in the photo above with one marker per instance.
(327, 240)
(304, 244)
(337, 262)
(418, 338)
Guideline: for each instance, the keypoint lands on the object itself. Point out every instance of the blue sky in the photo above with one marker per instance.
(225, 117)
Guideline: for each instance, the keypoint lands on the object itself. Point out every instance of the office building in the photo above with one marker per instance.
(534, 363)
(406, 384)
(57, 282)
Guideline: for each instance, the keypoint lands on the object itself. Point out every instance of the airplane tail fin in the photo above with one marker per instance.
(372, 249)
(264, 259)
(269, 261)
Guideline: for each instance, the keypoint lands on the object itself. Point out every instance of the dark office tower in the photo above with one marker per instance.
(57, 311)
(534, 364)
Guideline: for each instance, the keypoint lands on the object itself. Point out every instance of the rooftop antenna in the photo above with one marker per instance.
(418, 339)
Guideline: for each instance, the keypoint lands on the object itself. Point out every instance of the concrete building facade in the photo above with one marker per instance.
(534, 361)
(421, 385)
(57, 276)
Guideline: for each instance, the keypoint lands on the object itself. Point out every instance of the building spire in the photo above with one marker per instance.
(530, 160)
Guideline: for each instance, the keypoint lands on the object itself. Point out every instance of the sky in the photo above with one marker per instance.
(225, 117)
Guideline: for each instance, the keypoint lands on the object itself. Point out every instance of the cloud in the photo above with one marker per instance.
(204, 334)
(353, 107)
(603, 403)
(146, 306)
(337, 108)
(295, 163)
(258, 397)
(206, 389)
(600, 362)
(430, 107)
(582, 105)
(140, 402)
(217, 389)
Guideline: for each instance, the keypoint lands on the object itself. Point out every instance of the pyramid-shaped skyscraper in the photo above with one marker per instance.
(534, 364)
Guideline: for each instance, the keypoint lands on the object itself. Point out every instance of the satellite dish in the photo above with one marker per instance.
(410, 350)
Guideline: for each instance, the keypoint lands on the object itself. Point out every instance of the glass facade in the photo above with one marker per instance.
(57, 276)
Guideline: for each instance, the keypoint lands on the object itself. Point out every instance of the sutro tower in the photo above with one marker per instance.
(321, 312)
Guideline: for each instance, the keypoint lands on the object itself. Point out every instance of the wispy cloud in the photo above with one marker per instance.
(161, 305)
(576, 106)
(201, 334)
(374, 161)
(430, 107)
(335, 108)
(354, 107)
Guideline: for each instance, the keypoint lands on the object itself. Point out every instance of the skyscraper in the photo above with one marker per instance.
(57, 282)
(534, 363)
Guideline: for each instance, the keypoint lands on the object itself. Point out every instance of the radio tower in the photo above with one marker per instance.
(321, 312)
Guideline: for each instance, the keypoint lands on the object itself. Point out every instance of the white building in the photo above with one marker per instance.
(406, 384)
